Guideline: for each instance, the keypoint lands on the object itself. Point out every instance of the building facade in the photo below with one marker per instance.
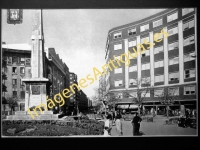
(18, 66)
(169, 63)
(78, 100)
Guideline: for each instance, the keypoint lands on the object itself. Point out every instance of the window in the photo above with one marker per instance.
(133, 68)
(28, 61)
(145, 53)
(132, 55)
(188, 57)
(15, 60)
(189, 73)
(144, 27)
(158, 49)
(158, 64)
(117, 57)
(145, 93)
(118, 83)
(173, 61)
(9, 60)
(174, 76)
(173, 91)
(14, 69)
(117, 35)
(158, 92)
(22, 70)
(132, 31)
(118, 70)
(188, 41)
(189, 90)
(14, 93)
(22, 61)
(173, 31)
(146, 66)
(22, 94)
(132, 82)
(145, 80)
(157, 23)
(187, 11)
(132, 43)
(188, 25)
(159, 78)
(14, 81)
(172, 17)
(118, 46)
(143, 39)
(173, 46)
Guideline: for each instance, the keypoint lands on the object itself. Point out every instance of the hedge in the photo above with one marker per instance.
(52, 127)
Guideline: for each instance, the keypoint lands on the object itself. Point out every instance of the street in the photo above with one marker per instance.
(156, 128)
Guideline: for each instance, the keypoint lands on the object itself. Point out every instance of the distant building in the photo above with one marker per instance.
(169, 64)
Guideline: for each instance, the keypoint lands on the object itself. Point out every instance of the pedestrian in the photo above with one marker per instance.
(114, 117)
(107, 126)
(136, 124)
(119, 125)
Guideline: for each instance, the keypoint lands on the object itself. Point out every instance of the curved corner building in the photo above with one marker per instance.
(170, 64)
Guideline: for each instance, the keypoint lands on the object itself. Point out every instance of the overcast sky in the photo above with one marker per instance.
(78, 35)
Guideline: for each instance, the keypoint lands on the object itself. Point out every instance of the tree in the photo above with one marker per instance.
(12, 102)
(139, 94)
(98, 106)
(113, 98)
(167, 97)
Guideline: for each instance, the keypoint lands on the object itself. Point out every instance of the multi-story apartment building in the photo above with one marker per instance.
(169, 64)
(58, 74)
(78, 100)
(82, 101)
(102, 87)
(18, 61)
(73, 99)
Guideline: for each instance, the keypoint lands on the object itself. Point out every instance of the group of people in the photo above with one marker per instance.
(113, 118)
(116, 119)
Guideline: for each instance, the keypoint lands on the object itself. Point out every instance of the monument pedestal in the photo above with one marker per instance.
(35, 92)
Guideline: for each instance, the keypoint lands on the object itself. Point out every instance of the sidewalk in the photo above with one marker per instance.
(156, 128)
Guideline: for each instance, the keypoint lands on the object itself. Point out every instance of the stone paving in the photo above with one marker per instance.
(156, 128)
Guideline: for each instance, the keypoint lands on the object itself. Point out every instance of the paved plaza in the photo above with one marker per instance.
(156, 128)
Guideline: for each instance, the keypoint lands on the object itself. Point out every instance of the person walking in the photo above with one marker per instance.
(119, 124)
(108, 125)
(136, 124)
(113, 114)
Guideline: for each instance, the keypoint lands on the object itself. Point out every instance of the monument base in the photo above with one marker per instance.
(24, 115)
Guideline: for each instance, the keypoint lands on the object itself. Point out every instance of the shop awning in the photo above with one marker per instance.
(133, 106)
(123, 106)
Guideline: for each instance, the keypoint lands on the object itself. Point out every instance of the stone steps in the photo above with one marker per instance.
(23, 115)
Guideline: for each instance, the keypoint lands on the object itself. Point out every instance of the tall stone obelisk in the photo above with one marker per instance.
(36, 85)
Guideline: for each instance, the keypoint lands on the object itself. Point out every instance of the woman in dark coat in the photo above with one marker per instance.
(136, 124)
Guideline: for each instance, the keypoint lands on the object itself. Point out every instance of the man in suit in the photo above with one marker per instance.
(136, 124)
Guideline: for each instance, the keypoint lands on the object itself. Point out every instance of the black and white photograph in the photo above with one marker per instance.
(127, 72)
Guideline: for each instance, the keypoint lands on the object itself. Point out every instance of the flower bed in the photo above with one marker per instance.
(51, 127)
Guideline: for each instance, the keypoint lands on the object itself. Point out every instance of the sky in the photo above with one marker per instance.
(78, 35)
